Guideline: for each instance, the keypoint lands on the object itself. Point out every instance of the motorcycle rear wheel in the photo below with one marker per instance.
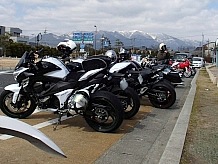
(162, 95)
(187, 74)
(129, 100)
(105, 112)
(27, 106)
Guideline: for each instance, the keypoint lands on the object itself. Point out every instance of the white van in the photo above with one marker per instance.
(198, 62)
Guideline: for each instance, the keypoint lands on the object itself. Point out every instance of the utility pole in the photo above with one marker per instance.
(45, 32)
(208, 47)
(95, 37)
(216, 43)
(202, 45)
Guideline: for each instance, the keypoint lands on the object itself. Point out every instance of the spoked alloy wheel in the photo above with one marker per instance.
(162, 96)
(24, 109)
(129, 100)
(105, 113)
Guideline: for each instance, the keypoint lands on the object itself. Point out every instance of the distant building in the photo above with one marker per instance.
(15, 34)
(13, 31)
(2, 30)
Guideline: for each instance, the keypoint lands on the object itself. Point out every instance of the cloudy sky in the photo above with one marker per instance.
(180, 18)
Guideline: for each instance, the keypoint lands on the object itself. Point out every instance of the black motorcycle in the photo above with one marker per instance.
(49, 85)
(148, 82)
(111, 82)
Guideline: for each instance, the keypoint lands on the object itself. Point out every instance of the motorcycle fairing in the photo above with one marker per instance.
(62, 96)
(119, 66)
(89, 74)
(14, 88)
(18, 71)
(60, 73)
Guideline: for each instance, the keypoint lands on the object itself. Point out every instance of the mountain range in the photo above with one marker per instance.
(129, 39)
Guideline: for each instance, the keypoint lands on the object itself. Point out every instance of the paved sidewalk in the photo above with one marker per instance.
(173, 150)
(171, 153)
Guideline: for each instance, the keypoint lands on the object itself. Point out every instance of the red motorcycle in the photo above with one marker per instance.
(183, 67)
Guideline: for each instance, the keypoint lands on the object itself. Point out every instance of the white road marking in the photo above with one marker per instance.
(6, 72)
(38, 126)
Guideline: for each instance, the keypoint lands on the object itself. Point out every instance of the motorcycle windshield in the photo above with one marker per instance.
(22, 61)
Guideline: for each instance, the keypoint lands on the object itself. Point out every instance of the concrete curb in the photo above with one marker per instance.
(212, 77)
(173, 151)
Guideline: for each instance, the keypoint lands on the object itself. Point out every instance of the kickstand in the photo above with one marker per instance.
(58, 122)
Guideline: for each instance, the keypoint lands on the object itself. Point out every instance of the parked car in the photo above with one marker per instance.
(182, 56)
(198, 62)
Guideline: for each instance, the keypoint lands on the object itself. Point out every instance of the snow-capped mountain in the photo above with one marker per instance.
(129, 39)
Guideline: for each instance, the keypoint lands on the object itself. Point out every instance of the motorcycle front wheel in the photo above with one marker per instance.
(25, 109)
(105, 112)
(162, 96)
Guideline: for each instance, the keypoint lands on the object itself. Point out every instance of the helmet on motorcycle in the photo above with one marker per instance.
(67, 46)
(124, 55)
(112, 55)
(162, 47)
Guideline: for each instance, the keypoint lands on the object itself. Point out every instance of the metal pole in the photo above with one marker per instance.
(202, 45)
(95, 37)
(216, 53)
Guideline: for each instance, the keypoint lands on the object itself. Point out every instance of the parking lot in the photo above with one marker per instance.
(142, 138)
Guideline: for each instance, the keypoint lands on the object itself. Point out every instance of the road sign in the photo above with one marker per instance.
(85, 37)
(77, 37)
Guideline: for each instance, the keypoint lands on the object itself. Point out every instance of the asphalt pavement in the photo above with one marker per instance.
(143, 146)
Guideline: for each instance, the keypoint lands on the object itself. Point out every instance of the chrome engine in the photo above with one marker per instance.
(78, 101)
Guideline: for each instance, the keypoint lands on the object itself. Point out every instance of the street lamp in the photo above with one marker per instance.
(102, 43)
(38, 37)
(216, 53)
(95, 37)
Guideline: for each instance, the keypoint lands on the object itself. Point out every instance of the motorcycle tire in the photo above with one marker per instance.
(162, 95)
(193, 71)
(27, 108)
(187, 74)
(104, 113)
(167, 82)
(129, 100)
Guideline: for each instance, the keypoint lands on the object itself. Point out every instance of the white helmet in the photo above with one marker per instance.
(122, 50)
(112, 55)
(67, 46)
(162, 47)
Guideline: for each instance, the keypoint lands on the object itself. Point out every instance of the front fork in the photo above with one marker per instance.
(15, 88)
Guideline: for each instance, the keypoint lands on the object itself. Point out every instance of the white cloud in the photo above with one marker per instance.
(181, 18)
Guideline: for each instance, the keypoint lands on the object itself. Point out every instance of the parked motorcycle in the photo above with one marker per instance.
(49, 85)
(110, 82)
(166, 72)
(147, 82)
(183, 67)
